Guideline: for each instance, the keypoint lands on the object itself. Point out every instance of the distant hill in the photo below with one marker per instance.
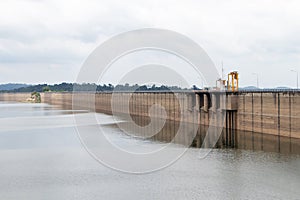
(283, 88)
(250, 88)
(12, 86)
(255, 88)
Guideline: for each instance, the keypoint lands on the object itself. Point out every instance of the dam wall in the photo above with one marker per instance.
(17, 97)
(273, 113)
(269, 112)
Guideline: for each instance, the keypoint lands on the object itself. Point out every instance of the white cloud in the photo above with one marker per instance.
(258, 35)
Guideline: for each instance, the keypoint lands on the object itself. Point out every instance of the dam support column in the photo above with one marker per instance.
(231, 120)
(230, 129)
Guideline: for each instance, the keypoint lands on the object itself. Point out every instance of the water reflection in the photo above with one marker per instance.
(50, 163)
(243, 139)
(13, 109)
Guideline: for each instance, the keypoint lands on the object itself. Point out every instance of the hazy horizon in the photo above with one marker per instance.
(34, 84)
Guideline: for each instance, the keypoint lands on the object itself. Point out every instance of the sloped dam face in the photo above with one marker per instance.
(267, 121)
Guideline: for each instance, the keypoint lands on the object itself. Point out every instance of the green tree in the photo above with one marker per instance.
(46, 89)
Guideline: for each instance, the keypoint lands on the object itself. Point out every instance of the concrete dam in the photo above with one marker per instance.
(257, 120)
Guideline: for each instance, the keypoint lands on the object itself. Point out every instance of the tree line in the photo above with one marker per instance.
(69, 87)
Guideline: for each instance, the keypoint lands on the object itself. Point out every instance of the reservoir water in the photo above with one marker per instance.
(41, 157)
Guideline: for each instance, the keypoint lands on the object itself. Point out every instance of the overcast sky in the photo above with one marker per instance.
(47, 41)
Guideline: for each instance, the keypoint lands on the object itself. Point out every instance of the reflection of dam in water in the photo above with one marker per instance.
(257, 120)
(242, 140)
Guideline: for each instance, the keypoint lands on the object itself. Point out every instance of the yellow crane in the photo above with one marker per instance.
(233, 81)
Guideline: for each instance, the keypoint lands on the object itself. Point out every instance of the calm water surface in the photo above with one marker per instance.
(42, 158)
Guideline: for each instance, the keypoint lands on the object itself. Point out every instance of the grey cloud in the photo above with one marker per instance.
(246, 35)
